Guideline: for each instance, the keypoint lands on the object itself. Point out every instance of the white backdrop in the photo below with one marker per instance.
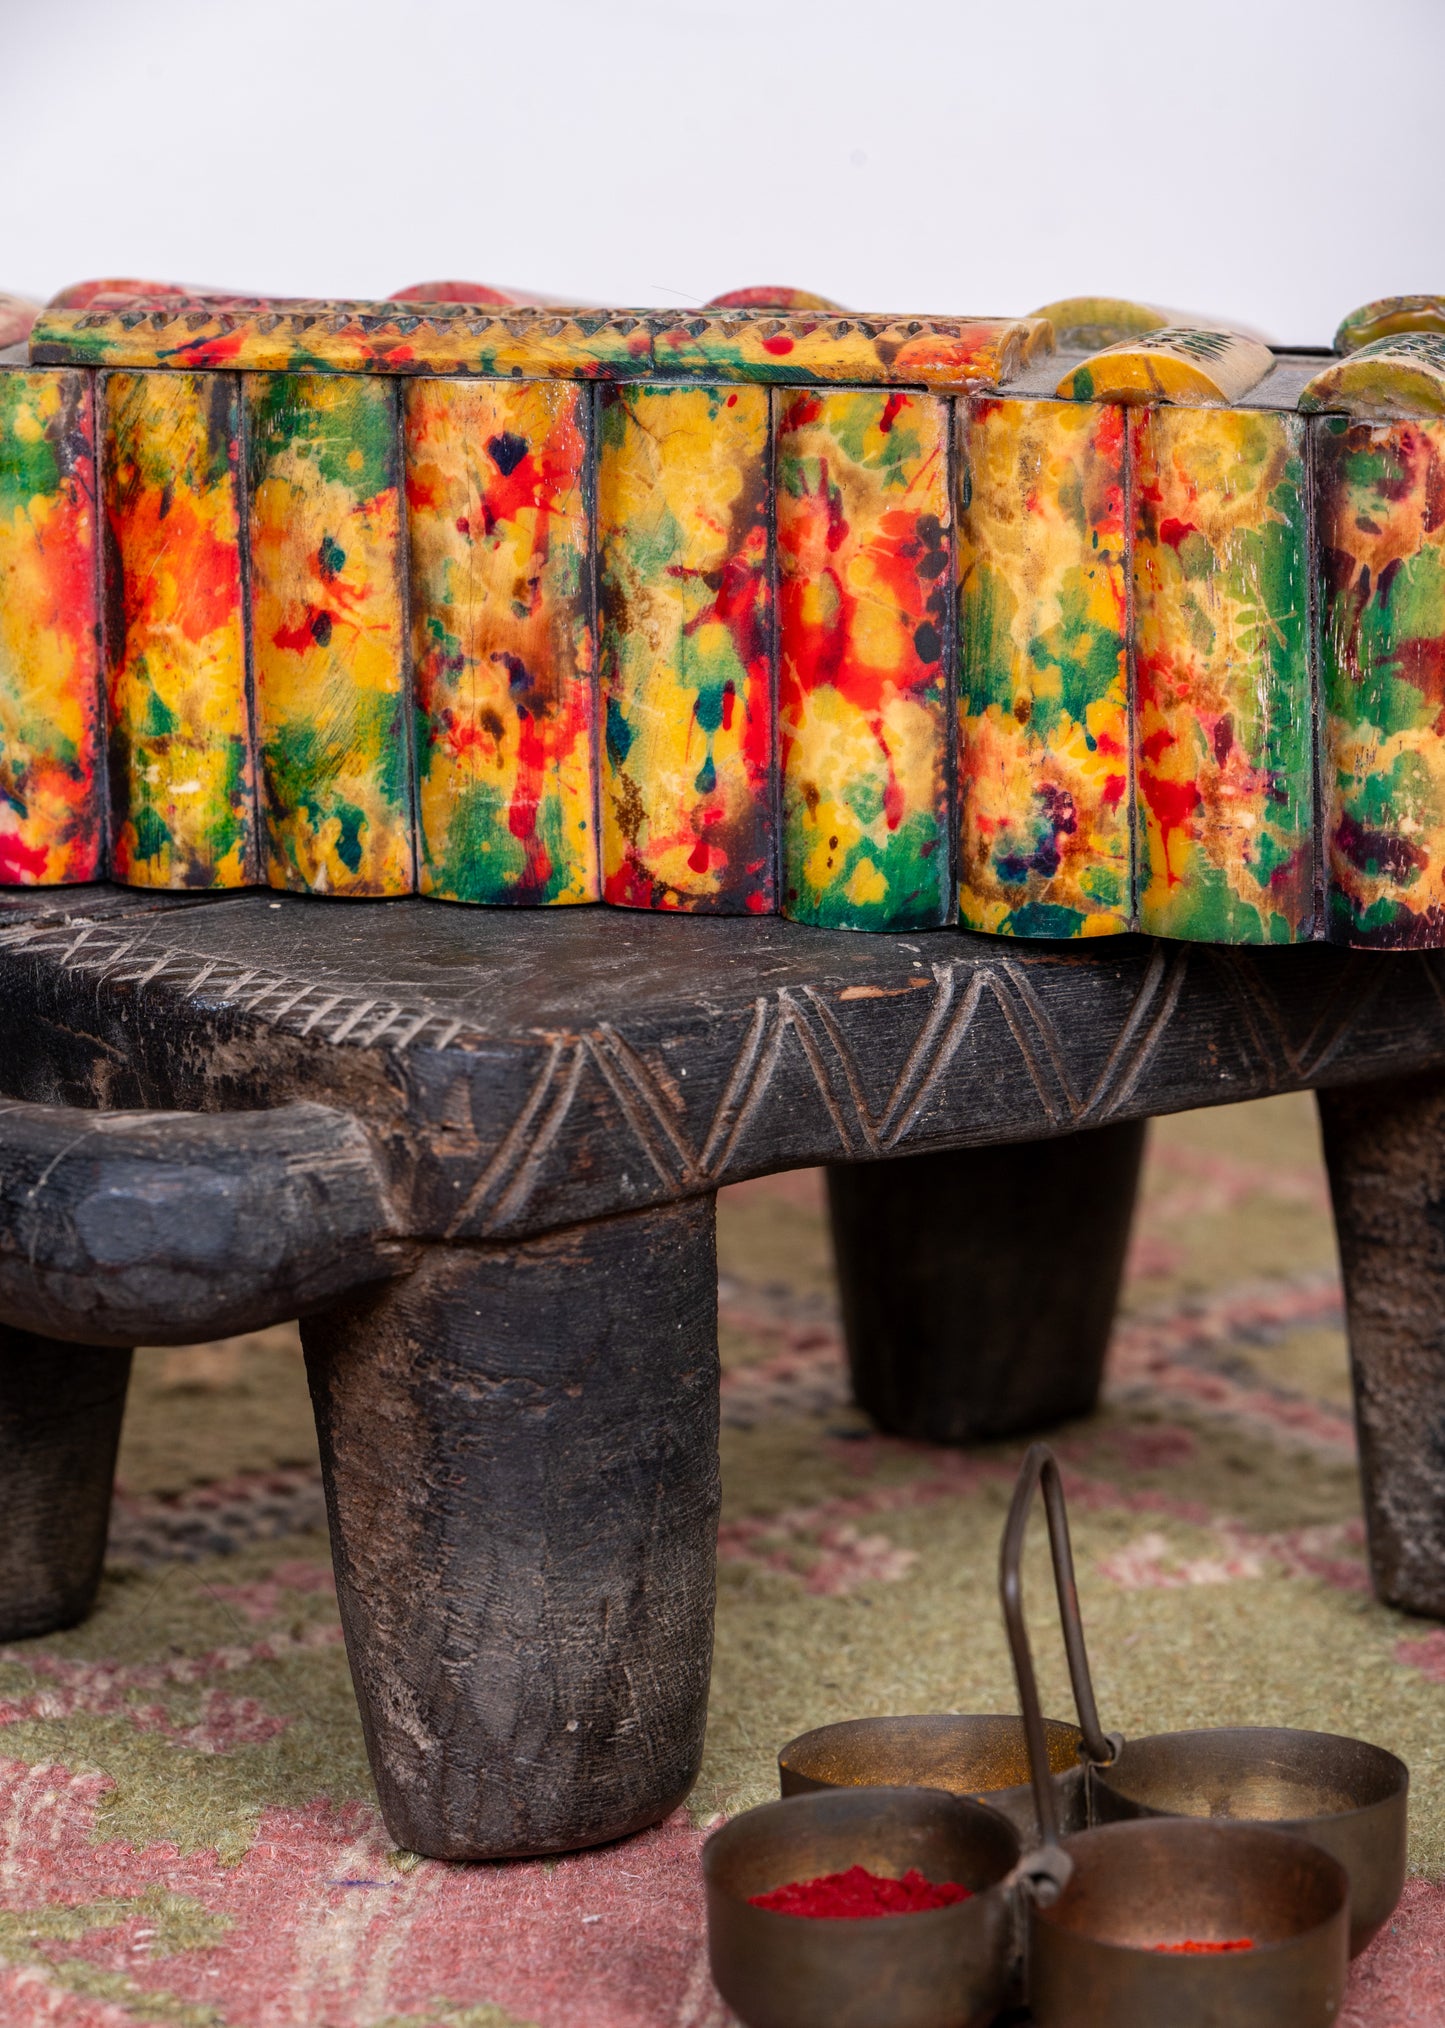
(1273, 160)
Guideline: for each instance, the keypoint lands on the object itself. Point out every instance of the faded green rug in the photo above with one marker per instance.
(188, 1833)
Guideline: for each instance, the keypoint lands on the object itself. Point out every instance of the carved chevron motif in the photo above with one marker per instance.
(881, 1081)
(650, 1112)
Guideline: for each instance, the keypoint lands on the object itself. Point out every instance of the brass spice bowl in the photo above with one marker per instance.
(1104, 1902)
(942, 1968)
(1349, 1798)
(984, 1756)
(1093, 1956)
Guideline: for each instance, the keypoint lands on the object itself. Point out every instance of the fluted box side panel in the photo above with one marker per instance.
(498, 478)
(686, 604)
(865, 626)
(1044, 741)
(329, 643)
(52, 796)
(182, 777)
(1381, 489)
(1225, 730)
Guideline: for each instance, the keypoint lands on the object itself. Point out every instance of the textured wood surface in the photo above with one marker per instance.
(172, 1227)
(518, 1071)
(520, 1449)
(60, 1417)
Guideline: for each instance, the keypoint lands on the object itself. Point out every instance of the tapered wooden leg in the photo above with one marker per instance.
(979, 1286)
(520, 1450)
(1385, 1146)
(60, 1414)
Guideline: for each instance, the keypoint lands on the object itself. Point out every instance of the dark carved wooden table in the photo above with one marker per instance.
(477, 1152)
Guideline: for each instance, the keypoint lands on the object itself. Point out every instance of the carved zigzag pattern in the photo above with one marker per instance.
(794, 1021)
(684, 1162)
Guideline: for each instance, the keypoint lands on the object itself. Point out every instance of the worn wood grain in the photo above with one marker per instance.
(522, 1072)
(520, 1454)
(174, 1227)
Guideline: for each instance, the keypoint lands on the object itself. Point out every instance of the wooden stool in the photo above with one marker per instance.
(477, 1152)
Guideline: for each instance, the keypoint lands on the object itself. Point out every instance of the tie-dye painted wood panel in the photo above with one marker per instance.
(182, 786)
(864, 633)
(685, 586)
(51, 789)
(1176, 794)
(1224, 737)
(497, 480)
(1044, 762)
(1381, 492)
(638, 345)
(329, 633)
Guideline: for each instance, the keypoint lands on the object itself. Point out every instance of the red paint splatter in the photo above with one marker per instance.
(780, 346)
(205, 351)
(20, 864)
(295, 640)
(1173, 804)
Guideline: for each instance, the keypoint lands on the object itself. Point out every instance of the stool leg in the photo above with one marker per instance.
(520, 1451)
(979, 1285)
(60, 1415)
(1385, 1146)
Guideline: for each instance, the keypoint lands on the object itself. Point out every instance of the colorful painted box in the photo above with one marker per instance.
(499, 519)
(329, 634)
(865, 628)
(1044, 744)
(686, 609)
(51, 786)
(182, 783)
(1381, 493)
(1225, 725)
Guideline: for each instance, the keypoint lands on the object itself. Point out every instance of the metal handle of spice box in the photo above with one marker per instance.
(118, 1228)
(1047, 1869)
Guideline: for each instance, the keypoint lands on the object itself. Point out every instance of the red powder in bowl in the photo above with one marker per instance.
(1191, 1948)
(856, 1893)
